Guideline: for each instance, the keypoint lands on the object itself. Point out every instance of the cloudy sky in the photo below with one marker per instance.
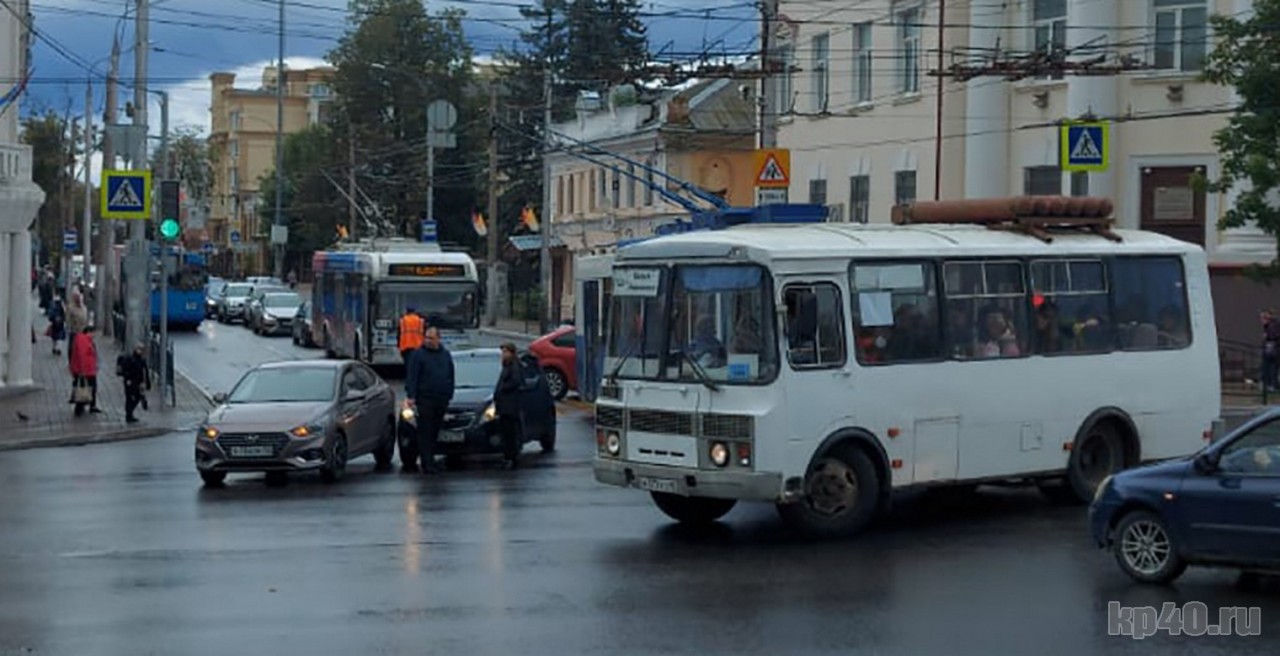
(192, 38)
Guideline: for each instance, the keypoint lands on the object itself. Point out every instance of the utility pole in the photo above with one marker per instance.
(491, 280)
(137, 312)
(86, 248)
(166, 170)
(108, 288)
(280, 82)
(768, 85)
(942, 83)
(544, 260)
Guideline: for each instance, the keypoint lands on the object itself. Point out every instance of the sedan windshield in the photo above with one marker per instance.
(285, 385)
(282, 301)
(236, 291)
(476, 372)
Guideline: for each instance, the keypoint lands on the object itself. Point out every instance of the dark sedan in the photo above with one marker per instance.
(470, 423)
(1219, 507)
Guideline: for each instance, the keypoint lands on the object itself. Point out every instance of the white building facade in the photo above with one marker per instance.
(20, 199)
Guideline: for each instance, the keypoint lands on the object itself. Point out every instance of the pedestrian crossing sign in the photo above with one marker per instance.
(773, 167)
(1085, 146)
(126, 194)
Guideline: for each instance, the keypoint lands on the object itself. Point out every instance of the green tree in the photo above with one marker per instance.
(54, 148)
(1245, 58)
(389, 66)
(192, 163)
(312, 204)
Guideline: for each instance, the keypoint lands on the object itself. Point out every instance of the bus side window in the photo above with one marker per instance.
(986, 306)
(1072, 309)
(896, 313)
(815, 326)
(1156, 314)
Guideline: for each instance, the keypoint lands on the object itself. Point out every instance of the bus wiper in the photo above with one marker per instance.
(703, 377)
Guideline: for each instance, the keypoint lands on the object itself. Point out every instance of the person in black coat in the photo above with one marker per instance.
(429, 387)
(133, 369)
(506, 402)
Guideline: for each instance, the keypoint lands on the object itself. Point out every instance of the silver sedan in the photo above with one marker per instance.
(299, 415)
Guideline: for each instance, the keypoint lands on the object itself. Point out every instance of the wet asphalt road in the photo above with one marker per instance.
(116, 549)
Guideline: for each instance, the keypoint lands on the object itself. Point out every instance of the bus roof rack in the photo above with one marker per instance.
(1037, 216)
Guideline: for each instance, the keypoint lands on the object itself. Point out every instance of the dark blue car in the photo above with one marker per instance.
(1219, 507)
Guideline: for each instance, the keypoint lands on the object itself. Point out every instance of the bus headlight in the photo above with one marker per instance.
(719, 454)
(613, 444)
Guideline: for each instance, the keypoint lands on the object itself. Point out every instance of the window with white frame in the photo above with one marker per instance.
(859, 198)
(821, 71)
(907, 21)
(1181, 34)
(862, 62)
(818, 192)
(234, 149)
(235, 120)
(904, 187)
(1049, 26)
(782, 103)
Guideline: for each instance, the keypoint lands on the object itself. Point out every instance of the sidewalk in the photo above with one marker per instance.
(43, 417)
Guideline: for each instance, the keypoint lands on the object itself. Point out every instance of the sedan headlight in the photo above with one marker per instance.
(310, 430)
(407, 414)
(490, 412)
(209, 432)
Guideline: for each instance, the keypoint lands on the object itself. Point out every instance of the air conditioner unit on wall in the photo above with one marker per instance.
(835, 213)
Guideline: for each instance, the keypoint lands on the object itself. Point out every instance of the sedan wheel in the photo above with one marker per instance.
(556, 383)
(1146, 551)
(337, 465)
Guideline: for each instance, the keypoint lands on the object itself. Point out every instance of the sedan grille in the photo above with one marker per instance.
(456, 420)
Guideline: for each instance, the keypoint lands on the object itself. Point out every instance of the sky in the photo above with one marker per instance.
(191, 39)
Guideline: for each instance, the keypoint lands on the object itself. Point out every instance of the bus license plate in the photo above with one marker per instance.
(452, 437)
(657, 484)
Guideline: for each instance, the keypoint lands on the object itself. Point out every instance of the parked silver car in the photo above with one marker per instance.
(299, 415)
(253, 304)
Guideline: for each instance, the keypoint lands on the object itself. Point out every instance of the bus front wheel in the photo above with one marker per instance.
(1099, 454)
(692, 510)
(841, 495)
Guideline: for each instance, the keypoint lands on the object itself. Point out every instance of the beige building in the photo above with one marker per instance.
(703, 133)
(862, 115)
(243, 146)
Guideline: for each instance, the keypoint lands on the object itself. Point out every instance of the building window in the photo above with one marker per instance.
(602, 180)
(1079, 183)
(1042, 181)
(821, 72)
(784, 83)
(235, 120)
(818, 192)
(617, 188)
(560, 201)
(631, 185)
(233, 175)
(650, 164)
(234, 148)
(1049, 26)
(320, 91)
(904, 187)
(859, 198)
(572, 194)
(908, 21)
(1181, 36)
(862, 60)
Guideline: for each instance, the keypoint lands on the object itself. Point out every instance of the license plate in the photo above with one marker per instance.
(252, 451)
(657, 484)
(452, 436)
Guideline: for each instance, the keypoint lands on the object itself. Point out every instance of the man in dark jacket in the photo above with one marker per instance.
(133, 369)
(429, 388)
(506, 402)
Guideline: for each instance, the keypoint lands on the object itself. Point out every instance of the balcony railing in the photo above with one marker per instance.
(15, 163)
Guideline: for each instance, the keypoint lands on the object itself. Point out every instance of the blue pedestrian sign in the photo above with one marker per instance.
(126, 194)
(207, 247)
(235, 236)
(1085, 146)
(429, 231)
(70, 240)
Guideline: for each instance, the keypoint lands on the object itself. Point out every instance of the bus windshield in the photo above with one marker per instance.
(448, 307)
(715, 327)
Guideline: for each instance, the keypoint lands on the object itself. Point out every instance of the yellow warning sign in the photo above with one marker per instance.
(773, 167)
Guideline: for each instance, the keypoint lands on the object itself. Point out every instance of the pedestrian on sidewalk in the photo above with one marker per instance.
(506, 401)
(77, 314)
(293, 279)
(57, 324)
(1270, 350)
(133, 369)
(84, 371)
(429, 387)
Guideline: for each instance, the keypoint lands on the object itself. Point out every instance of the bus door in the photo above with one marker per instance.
(815, 352)
(590, 343)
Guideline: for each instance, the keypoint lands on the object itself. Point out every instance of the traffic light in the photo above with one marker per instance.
(170, 206)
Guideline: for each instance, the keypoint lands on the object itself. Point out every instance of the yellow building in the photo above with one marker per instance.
(242, 144)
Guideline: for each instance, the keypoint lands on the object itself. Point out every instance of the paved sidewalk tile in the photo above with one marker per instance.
(44, 416)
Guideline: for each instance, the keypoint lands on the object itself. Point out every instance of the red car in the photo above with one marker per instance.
(557, 351)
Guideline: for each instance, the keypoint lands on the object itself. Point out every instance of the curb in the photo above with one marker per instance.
(86, 440)
(208, 396)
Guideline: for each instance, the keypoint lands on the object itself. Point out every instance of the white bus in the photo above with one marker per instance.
(822, 367)
(362, 289)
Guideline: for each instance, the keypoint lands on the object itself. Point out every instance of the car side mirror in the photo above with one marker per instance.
(1206, 463)
(220, 398)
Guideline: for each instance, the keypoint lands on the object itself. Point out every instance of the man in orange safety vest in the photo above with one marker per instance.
(413, 331)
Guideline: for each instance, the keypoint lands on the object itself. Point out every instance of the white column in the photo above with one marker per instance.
(6, 324)
(986, 117)
(1087, 22)
(19, 369)
(1247, 244)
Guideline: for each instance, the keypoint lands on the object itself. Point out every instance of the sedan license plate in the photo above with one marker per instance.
(252, 451)
(452, 437)
(657, 484)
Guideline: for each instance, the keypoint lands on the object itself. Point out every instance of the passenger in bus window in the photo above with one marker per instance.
(911, 338)
(960, 330)
(705, 347)
(999, 340)
(1048, 330)
(1173, 334)
(746, 337)
(1088, 330)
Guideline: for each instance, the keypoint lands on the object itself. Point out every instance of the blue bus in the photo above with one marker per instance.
(186, 292)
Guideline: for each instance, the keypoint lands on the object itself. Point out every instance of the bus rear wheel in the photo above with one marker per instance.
(841, 495)
(692, 510)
